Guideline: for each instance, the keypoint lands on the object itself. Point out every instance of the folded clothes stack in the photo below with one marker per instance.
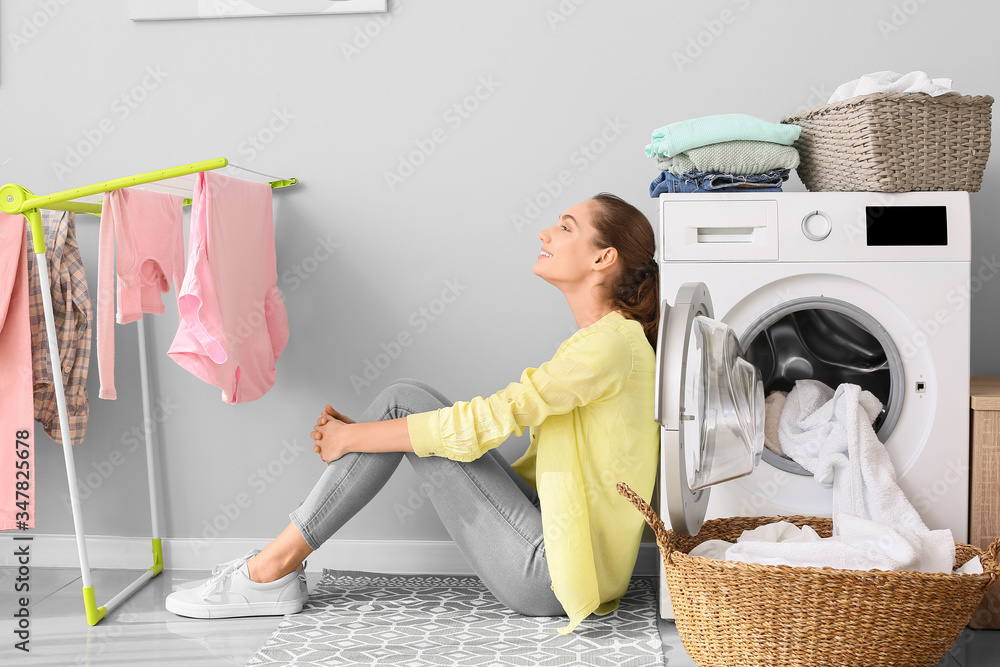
(722, 153)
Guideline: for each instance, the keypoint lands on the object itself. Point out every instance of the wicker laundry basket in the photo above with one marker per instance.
(895, 142)
(732, 614)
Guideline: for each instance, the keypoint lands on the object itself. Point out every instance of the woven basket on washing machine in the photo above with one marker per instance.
(895, 142)
(731, 614)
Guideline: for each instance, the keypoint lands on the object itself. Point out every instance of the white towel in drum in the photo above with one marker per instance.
(830, 434)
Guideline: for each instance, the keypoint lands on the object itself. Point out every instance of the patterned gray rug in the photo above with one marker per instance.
(361, 618)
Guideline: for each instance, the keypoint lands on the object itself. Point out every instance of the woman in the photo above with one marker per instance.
(549, 535)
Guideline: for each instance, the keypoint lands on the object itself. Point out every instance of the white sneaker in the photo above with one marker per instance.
(230, 592)
(216, 569)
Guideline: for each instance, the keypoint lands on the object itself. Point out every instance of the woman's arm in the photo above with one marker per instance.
(591, 365)
(336, 435)
(587, 367)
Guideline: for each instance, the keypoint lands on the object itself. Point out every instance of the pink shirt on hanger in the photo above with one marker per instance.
(233, 323)
(147, 228)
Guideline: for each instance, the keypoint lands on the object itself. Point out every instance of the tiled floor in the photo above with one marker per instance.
(142, 633)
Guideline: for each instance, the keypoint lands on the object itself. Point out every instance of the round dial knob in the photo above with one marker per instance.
(817, 225)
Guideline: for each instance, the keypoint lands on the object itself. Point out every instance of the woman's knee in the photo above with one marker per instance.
(401, 398)
(410, 382)
(423, 388)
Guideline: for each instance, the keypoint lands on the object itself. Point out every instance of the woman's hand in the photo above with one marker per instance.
(329, 436)
(336, 415)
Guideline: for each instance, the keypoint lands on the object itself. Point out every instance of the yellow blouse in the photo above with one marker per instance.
(590, 413)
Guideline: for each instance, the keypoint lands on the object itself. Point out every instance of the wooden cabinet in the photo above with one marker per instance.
(984, 479)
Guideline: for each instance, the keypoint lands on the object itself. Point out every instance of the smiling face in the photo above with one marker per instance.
(568, 255)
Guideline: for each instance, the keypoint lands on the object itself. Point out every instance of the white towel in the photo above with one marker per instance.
(891, 82)
(777, 532)
(830, 434)
(861, 545)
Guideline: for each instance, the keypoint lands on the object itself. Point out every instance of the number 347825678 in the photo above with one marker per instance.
(22, 475)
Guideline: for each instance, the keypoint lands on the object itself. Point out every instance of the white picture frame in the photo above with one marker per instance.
(169, 10)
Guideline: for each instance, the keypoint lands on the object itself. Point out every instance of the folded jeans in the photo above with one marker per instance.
(699, 181)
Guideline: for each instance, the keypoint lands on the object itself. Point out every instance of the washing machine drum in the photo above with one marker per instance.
(710, 403)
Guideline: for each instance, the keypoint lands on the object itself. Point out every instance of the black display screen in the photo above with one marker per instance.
(906, 225)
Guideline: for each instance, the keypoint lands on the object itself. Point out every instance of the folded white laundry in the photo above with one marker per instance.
(891, 82)
(830, 434)
(861, 545)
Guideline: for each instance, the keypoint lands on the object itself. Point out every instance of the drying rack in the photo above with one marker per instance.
(16, 199)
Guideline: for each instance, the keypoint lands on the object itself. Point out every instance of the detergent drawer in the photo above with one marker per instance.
(718, 231)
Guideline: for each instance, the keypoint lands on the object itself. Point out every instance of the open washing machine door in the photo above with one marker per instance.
(710, 403)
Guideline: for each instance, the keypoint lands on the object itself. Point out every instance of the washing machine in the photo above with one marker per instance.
(762, 289)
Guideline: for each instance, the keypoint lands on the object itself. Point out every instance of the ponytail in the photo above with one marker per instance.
(635, 289)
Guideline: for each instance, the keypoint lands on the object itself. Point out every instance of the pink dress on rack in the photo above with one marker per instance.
(17, 470)
(233, 324)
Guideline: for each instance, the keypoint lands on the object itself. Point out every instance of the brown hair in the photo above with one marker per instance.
(635, 290)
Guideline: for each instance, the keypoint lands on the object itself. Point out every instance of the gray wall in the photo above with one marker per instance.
(600, 74)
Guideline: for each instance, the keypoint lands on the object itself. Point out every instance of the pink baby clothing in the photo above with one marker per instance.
(17, 468)
(233, 324)
(147, 228)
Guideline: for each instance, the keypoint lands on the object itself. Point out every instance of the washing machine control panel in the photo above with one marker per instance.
(815, 226)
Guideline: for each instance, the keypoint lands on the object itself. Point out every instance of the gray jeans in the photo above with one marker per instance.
(488, 509)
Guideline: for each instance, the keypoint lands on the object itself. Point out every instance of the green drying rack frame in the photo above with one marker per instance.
(18, 200)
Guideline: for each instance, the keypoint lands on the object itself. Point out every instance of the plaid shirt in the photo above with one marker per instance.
(72, 314)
